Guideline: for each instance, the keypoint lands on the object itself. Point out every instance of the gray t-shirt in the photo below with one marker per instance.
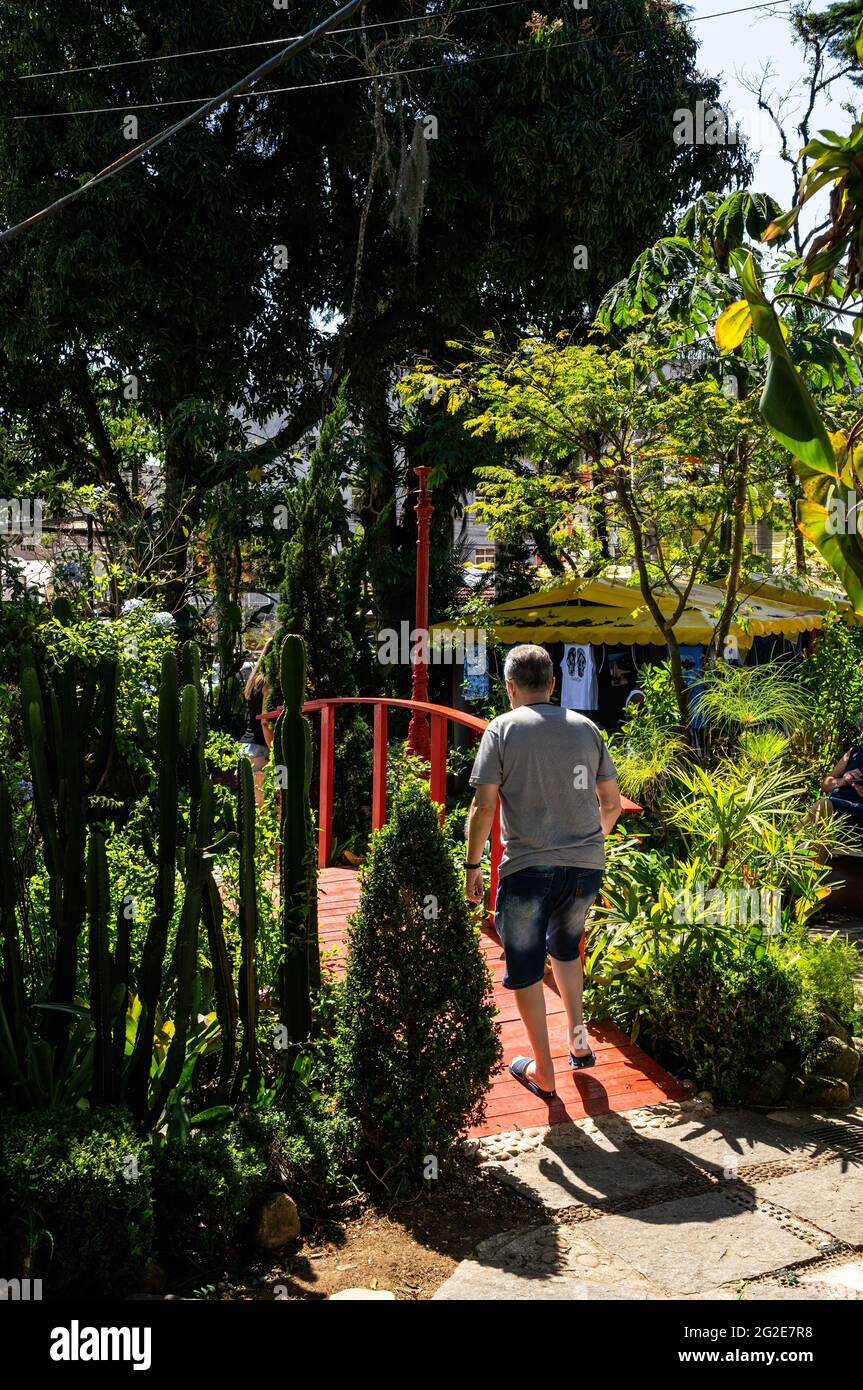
(547, 762)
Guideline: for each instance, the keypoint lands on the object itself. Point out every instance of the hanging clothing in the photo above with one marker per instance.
(579, 689)
(252, 737)
(475, 683)
(691, 657)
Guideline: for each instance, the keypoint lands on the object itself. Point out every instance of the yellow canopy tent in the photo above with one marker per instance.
(613, 611)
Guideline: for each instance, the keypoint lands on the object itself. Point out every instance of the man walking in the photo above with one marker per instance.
(559, 799)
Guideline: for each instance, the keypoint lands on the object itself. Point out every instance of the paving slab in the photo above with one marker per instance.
(830, 1197)
(548, 1263)
(820, 1283)
(730, 1139)
(572, 1165)
(801, 1116)
(695, 1243)
(766, 1291)
(567, 1167)
(845, 1278)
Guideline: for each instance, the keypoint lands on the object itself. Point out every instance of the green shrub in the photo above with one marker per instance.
(309, 1144)
(417, 1042)
(75, 1201)
(205, 1189)
(723, 1015)
(825, 968)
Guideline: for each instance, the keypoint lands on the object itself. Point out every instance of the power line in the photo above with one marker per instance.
(236, 89)
(379, 76)
(269, 43)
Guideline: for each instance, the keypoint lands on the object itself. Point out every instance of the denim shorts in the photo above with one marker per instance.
(538, 912)
(255, 750)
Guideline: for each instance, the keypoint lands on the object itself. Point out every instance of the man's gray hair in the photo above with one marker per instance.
(529, 667)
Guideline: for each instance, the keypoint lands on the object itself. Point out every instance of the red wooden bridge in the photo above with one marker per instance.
(624, 1077)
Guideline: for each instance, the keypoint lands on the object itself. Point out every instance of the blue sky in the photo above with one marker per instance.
(740, 44)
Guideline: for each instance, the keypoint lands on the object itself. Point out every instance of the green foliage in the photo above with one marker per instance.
(321, 593)
(128, 1021)
(75, 1201)
(826, 967)
(737, 698)
(417, 1042)
(205, 1189)
(620, 437)
(702, 948)
(309, 1142)
(722, 1017)
(832, 679)
(649, 749)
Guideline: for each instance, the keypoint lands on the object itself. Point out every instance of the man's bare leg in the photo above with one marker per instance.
(531, 1007)
(569, 978)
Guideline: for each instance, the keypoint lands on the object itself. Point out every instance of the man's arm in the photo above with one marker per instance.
(836, 775)
(608, 796)
(267, 724)
(479, 823)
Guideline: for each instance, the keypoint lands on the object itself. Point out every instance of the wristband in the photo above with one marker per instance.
(473, 866)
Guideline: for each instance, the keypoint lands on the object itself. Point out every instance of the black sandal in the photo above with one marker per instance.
(518, 1068)
(579, 1063)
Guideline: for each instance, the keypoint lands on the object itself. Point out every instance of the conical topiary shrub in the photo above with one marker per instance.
(417, 1040)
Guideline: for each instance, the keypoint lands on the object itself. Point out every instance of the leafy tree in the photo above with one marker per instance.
(621, 434)
(828, 280)
(191, 279)
(323, 599)
(321, 596)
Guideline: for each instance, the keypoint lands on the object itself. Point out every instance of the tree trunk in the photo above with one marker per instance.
(738, 535)
(681, 690)
(665, 626)
(173, 543)
(794, 493)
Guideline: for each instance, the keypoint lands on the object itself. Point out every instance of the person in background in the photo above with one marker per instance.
(257, 737)
(559, 799)
(843, 787)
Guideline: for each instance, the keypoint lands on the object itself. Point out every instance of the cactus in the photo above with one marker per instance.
(99, 962)
(12, 1001)
(70, 742)
(248, 1072)
(223, 981)
(156, 942)
(69, 718)
(186, 955)
(120, 980)
(299, 969)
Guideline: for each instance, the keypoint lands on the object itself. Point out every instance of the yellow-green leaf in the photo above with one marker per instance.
(732, 325)
(781, 226)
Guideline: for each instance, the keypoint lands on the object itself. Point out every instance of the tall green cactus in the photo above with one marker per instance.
(156, 941)
(70, 741)
(227, 1011)
(69, 718)
(248, 1073)
(99, 963)
(12, 1000)
(299, 968)
(186, 955)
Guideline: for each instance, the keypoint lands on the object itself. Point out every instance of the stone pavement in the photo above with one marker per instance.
(677, 1201)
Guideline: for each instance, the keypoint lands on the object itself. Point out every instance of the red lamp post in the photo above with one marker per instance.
(418, 731)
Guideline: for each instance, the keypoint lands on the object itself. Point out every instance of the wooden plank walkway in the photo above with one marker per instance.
(624, 1077)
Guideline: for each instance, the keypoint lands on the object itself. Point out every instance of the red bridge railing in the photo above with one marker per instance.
(440, 716)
